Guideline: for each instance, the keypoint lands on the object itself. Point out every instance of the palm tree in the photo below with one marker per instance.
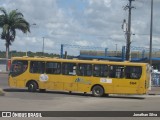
(10, 22)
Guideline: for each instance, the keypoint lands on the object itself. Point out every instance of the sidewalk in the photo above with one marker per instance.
(154, 91)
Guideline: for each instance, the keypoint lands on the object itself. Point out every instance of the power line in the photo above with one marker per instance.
(145, 34)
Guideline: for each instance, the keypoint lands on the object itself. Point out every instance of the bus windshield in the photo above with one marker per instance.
(18, 67)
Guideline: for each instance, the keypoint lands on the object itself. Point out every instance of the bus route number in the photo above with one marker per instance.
(133, 83)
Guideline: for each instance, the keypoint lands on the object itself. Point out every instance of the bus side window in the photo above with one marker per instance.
(104, 71)
(111, 72)
(100, 70)
(133, 72)
(96, 70)
(84, 69)
(116, 71)
(69, 68)
(37, 67)
(53, 68)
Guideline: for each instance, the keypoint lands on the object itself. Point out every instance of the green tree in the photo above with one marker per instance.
(10, 22)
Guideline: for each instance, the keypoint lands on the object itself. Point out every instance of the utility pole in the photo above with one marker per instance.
(128, 32)
(151, 26)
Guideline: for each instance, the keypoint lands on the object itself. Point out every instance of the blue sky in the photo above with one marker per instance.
(95, 23)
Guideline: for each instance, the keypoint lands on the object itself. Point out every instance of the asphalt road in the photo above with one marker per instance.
(22, 100)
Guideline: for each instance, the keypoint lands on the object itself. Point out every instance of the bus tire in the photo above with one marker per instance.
(97, 91)
(32, 86)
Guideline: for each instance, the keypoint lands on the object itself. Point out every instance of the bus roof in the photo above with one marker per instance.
(77, 60)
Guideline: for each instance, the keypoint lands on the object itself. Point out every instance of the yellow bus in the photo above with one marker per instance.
(89, 76)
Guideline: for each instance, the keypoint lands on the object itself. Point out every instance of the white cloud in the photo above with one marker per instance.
(83, 43)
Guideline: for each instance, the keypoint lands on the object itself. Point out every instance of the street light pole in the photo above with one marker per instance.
(43, 48)
(151, 26)
(116, 49)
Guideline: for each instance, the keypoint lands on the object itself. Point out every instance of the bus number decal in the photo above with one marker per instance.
(104, 80)
(133, 83)
(43, 77)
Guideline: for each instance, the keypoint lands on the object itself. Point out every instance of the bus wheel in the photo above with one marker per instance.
(97, 91)
(32, 87)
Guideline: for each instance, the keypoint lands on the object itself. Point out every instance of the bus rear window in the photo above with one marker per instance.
(18, 67)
